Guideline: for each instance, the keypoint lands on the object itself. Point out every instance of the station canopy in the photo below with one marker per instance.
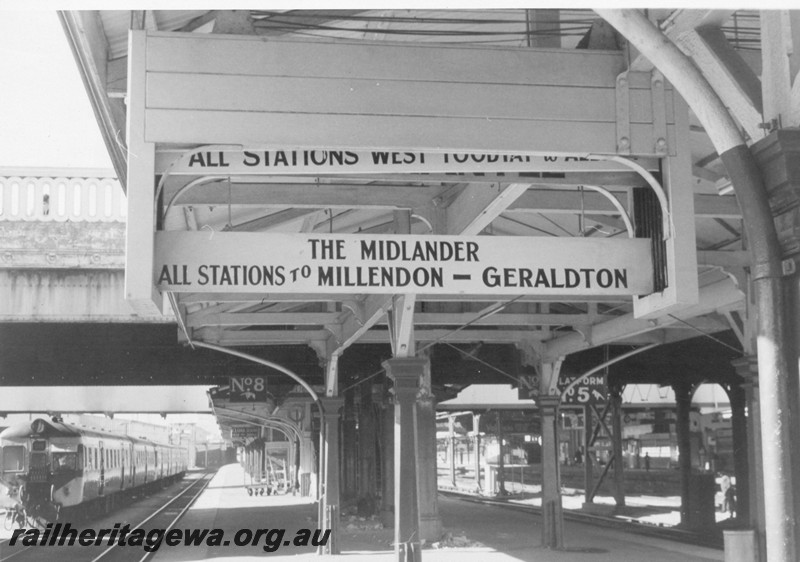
(330, 199)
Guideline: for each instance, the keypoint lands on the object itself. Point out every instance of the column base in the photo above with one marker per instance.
(430, 528)
(387, 517)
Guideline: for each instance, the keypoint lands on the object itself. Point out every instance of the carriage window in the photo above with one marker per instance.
(80, 457)
(13, 458)
(64, 461)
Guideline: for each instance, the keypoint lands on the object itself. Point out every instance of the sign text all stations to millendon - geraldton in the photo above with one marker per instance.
(381, 264)
(307, 161)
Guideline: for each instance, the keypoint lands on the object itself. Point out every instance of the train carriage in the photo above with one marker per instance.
(50, 466)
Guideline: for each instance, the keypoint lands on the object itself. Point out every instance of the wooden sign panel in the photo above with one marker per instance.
(304, 161)
(384, 264)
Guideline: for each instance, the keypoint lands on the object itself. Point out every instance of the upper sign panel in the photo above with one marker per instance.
(203, 89)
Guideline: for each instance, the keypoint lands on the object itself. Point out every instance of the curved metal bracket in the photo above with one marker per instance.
(605, 364)
(261, 361)
(666, 217)
(617, 205)
(183, 157)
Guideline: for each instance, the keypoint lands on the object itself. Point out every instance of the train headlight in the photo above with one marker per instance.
(38, 426)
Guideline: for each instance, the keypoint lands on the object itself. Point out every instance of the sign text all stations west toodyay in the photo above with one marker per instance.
(381, 264)
(309, 161)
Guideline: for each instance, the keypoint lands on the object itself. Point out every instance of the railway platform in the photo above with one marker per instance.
(656, 509)
(472, 532)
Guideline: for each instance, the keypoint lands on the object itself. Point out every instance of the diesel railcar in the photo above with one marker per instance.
(54, 469)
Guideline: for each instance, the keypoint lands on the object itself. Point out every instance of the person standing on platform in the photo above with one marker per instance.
(727, 494)
(647, 462)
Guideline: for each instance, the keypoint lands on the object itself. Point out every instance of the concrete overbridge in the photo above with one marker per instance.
(586, 176)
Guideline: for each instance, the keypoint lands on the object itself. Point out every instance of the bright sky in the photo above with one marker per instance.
(45, 116)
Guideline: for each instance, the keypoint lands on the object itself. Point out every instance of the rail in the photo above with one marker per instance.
(198, 486)
(204, 480)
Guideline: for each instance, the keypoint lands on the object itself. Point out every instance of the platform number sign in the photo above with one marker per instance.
(591, 390)
(248, 389)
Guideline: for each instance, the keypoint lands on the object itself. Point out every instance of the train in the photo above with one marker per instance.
(54, 469)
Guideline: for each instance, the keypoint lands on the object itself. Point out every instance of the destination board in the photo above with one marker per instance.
(314, 162)
(239, 432)
(388, 264)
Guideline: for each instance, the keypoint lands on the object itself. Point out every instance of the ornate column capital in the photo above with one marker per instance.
(747, 368)
(548, 404)
(331, 406)
(406, 373)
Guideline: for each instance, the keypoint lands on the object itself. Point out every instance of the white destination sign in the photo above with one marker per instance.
(309, 161)
(352, 263)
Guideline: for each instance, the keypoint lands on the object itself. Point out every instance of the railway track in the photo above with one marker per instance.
(164, 516)
(697, 538)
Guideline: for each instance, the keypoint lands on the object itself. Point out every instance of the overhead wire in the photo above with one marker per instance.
(485, 314)
(706, 334)
(299, 21)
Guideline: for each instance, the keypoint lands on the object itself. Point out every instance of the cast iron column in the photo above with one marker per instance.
(451, 449)
(501, 461)
(736, 396)
(747, 368)
(615, 395)
(331, 406)
(387, 461)
(683, 400)
(430, 523)
(367, 473)
(553, 524)
(349, 446)
(406, 373)
(476, 429)
(588, 475)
